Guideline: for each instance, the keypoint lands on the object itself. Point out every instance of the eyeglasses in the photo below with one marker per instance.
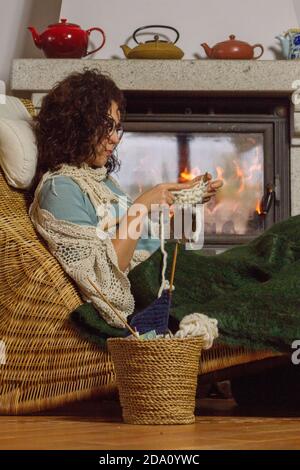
(114, 127)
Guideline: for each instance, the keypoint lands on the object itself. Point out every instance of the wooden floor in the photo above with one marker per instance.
(98, 425)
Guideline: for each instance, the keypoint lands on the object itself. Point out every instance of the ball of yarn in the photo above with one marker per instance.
(198, 324)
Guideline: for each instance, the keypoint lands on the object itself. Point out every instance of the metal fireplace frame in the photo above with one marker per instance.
(193, 112)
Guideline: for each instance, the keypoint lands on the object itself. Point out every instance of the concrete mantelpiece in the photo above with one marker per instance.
(198, 75)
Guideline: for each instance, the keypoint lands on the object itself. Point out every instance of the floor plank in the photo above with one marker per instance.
(98, 425)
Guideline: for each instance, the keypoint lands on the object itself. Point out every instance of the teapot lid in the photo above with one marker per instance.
(64, 23)
(232, 38)
(156, 39)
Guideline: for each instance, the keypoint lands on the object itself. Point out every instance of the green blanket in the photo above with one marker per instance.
(252, 290)
(92, 326)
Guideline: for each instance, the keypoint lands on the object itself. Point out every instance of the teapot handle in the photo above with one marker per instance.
(155, 26)
(103, 39)
(262, 50)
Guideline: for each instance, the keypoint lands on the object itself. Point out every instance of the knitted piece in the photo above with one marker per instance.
(190, 196)
(155, 317)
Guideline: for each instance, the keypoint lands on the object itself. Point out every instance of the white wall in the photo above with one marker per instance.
(297, 9)
(15, 40)
(211, 21)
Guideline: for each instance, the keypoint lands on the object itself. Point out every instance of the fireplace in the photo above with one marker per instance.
(243, 141)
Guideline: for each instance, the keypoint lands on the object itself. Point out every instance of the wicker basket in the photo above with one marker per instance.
(156, 379)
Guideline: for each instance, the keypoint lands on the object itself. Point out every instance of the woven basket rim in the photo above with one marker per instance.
(156, 341)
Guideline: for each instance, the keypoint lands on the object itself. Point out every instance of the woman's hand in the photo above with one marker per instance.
(161, 193)
(212, 187)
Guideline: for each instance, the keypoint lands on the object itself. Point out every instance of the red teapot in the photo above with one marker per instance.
(65, 40)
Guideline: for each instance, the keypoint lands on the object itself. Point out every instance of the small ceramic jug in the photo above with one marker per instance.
(290, 43)
(294, 44)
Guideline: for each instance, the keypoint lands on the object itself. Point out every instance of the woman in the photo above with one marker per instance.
(76, 206)
(252, 290)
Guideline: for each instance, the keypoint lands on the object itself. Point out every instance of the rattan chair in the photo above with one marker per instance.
(47, 363)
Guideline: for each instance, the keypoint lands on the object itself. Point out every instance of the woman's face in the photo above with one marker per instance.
(108, 144)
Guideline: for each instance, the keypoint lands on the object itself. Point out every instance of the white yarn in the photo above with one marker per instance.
(183, 198)
(198, 324)
(164, 283)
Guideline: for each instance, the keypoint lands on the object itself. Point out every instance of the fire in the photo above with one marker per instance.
(232, 208)
(220, 173)
(240, 175)
(257, 207)
(186, 175)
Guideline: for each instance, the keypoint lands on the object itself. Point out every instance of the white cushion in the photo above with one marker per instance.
(13, 108)
(18, 152)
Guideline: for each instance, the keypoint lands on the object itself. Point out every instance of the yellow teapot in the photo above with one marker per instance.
(155, 48)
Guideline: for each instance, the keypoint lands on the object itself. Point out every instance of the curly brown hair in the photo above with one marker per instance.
(74, 119)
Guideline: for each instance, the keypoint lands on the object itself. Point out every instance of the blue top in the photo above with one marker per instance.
(65, 200)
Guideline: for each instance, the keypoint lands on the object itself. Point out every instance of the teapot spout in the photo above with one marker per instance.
(207, 49)
(36, 37)
(126, 50)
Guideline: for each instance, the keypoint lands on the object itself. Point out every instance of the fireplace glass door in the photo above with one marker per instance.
(235, 158)
(243, 142)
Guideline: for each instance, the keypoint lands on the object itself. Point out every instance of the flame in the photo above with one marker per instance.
(220, 173)
(257, 207)
(240, 175)
(186, 175)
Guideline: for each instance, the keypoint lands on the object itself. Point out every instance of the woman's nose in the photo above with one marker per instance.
(114, 137)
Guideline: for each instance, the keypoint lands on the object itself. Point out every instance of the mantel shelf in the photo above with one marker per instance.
(227, 76)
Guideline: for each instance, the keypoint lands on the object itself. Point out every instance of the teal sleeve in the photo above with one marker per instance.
(150, 244)
(64, 199)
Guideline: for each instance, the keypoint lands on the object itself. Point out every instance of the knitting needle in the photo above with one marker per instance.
(173, 267)
(113, 309)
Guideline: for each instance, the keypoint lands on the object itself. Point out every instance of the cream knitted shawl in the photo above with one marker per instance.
(86, 252)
